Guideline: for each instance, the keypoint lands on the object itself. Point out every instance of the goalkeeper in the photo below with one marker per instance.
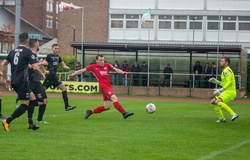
(225, 94)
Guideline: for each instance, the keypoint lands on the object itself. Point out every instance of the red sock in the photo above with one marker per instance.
(98, 109)
(119, 107)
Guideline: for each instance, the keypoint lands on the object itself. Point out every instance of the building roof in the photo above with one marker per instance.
(124, 46)
(7, 16)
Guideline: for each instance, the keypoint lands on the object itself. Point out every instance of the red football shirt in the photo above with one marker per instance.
(101, 73)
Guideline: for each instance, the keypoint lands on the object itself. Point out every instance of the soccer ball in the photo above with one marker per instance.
(150, 108)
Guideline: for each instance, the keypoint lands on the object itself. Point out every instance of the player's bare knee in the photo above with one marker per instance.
(45, 101)
(62, 87)
(40, 103)
(107, 106)
(213, 101)
(113, 98)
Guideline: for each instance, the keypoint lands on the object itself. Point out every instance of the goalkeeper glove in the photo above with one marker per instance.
(213, 80)
(217, 92)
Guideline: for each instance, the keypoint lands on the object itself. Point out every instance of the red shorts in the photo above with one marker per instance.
(107, 93)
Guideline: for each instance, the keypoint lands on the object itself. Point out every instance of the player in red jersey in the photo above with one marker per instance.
(101, 72)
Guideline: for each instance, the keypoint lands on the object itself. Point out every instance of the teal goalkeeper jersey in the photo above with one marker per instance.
(228, 80)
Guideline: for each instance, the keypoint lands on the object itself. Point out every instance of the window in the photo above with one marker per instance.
(195, 25)
(56, 24)
(116, 23)
(49, 22)
(180, 22)
(213, 23)
(132, 21)
(165, 17)
(117, 20)
(229, 18)
(212, 17)
(57, 6)
(244, 23)
(180, 17)
(228, 26)
(165, 21)
(228, 23)
(180, 25)
(196, 18)
(10, 2)
(132, 16)
(164, 24)
(148, 24)
(131, 24)
(117, 16)
(195, 22)
(6, 47)
(49, 6)
(244, 26)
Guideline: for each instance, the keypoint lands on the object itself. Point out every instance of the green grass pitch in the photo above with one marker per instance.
(176, 131)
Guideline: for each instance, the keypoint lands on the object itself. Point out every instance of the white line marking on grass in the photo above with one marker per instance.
(215, 153)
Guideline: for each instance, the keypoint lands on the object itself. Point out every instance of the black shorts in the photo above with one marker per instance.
(38, 90)
(51, 81)
(22, 90)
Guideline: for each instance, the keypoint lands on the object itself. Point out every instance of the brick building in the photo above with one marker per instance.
(41, 13)
(95, 23)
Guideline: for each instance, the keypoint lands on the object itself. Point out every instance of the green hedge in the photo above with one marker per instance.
(69, 61)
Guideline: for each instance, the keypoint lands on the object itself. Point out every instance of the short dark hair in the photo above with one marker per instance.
(23, 38)
(32, 42)
(53, 45)
(227, 59)
(99, 55)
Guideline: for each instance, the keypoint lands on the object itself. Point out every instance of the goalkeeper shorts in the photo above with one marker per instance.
(227, 96)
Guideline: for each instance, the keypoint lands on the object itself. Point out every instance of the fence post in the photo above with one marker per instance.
(190, 86)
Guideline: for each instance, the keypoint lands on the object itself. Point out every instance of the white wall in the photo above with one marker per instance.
(228, 4)
(132, 4)
(195, 6)
(181, 4)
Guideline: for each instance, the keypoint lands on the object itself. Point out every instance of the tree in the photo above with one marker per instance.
(7, 35)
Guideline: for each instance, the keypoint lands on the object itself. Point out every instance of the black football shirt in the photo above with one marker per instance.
(19, 60)
(53, 61)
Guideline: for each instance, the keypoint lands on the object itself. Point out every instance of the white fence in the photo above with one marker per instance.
(156, 79)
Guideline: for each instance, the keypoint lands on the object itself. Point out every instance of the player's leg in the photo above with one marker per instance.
(23, 93)
(99, 109)
(41, 112)
(31, 109)
(224, 98)
(218, 111)
(1, 116)
(65, 97)
(119, 107)
(42, 107)
(42, 102)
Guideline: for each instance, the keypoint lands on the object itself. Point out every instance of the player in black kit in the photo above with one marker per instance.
(19, 59)
(52, 61)
(36, 86)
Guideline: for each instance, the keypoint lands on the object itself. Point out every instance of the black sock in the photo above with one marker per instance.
(0, 107)
(65, 98)
(41, 111)
(18, 112)
(31, 109)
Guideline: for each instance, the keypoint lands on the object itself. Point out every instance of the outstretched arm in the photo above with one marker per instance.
(76, 73)
(120, 71)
